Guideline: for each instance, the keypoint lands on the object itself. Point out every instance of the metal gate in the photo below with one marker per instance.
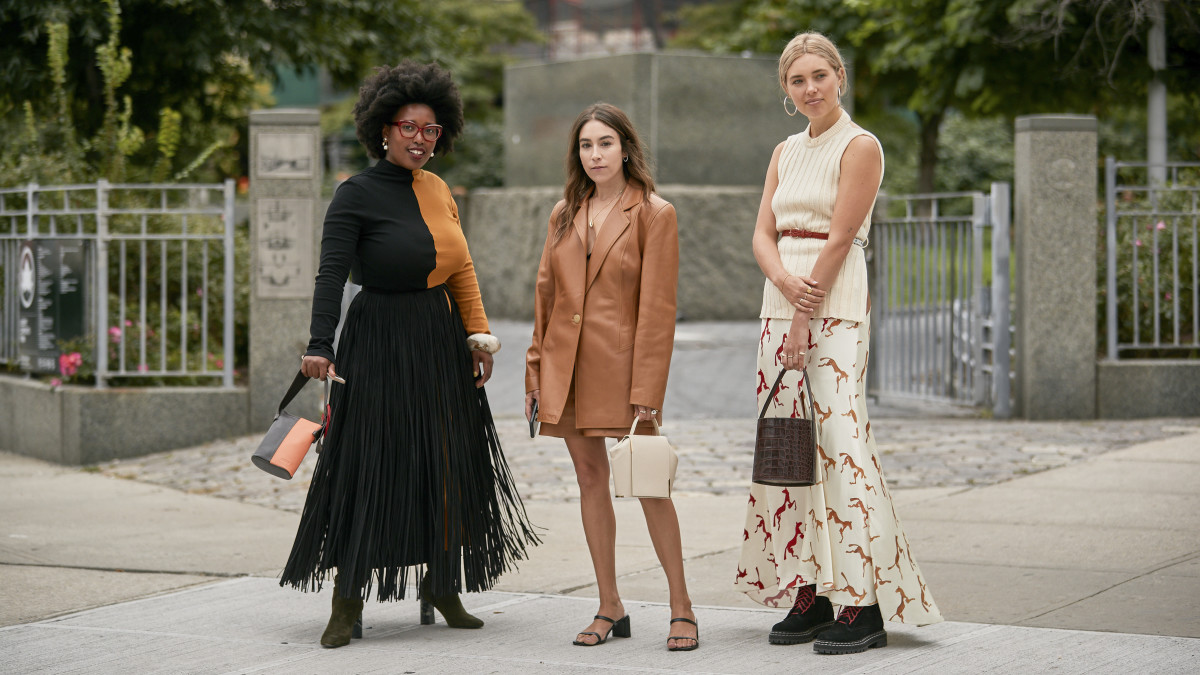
(939, 266)
(160, 266)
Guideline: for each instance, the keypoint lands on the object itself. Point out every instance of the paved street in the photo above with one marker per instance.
(1066, 547)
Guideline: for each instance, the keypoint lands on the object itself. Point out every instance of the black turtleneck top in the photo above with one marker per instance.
(392, 229)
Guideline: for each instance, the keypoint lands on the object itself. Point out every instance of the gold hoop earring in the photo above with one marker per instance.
(794, 110)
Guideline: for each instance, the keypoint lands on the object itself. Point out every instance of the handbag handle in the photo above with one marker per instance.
(298, 384)
(775, 387)
(636, 419)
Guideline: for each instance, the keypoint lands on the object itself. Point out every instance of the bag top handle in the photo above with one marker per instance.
(636, 419)
(775, 387)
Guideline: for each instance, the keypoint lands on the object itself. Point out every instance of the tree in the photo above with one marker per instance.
(981, 58)
(209, 59)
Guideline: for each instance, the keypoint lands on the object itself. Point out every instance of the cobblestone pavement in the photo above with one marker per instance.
(715, 457)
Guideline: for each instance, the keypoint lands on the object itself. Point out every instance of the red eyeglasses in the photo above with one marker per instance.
(410, 129)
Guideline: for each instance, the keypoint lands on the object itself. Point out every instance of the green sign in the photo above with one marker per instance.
(50, 287)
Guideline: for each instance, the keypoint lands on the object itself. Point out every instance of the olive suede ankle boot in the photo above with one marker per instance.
(345, 622)
(450, 606)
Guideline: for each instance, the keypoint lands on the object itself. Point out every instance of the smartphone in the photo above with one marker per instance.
(534, 424)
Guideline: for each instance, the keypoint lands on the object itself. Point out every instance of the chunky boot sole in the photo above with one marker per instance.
(873, 640)
(782, 637)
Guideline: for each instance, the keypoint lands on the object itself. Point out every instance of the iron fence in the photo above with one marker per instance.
(940, 297)
(159, 269)
(1152, 308)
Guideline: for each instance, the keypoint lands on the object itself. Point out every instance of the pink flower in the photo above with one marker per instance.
(1161, 226)
(56, 382)
(200, 291)
(220, 363)
(128, 322)
(114, 333)
(1138, 242)
(1167, 296)
(142, 368)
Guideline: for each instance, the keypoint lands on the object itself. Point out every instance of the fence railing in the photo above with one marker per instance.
(160, 270)
(940, 296)
(1153, 255)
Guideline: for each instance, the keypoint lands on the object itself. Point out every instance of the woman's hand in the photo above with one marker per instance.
(530, 397)
(483, 367)
(644, 413)
(802, 292)
(317, 367)
(795, 345)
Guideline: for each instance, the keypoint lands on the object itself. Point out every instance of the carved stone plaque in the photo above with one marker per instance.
(284, 155)
(284, 248)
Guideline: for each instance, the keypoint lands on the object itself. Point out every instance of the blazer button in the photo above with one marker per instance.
(575, 319)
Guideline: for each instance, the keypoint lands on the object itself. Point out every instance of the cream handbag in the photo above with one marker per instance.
(643, 466)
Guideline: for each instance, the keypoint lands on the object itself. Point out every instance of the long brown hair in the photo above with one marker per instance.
(579, 185)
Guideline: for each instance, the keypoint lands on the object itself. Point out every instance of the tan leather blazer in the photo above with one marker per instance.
(608, 321)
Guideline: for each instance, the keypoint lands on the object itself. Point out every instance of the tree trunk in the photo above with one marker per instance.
(931, 124)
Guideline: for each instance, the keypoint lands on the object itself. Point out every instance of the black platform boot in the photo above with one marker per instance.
(857, 630)
(345, 622)
(810, 615)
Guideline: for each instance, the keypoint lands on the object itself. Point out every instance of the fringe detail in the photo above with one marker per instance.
(412, 474)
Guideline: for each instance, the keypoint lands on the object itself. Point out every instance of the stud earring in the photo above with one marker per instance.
(385, 145)
(794, 110)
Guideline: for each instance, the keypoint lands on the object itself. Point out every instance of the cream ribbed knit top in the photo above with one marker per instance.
(809, 169)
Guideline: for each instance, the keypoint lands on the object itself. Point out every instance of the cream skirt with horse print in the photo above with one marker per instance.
(841, 534)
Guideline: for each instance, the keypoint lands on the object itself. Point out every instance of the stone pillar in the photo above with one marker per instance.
(285, 231)
(1055, 225)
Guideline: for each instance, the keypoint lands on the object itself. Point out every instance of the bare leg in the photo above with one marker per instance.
(599, 527)
(663, 523)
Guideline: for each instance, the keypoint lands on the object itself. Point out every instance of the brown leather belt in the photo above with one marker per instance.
(804, 234)
(809, 234)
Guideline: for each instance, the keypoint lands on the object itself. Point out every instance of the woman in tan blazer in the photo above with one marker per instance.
(604, 327)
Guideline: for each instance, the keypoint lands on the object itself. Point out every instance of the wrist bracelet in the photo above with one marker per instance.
(784, 282)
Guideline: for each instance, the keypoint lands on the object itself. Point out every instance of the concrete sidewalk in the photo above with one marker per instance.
(1091, 567)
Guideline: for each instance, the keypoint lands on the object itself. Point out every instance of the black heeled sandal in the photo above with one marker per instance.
(695, 640)
(619, 628)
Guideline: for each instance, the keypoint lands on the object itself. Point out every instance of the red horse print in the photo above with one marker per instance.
(762, 523)
(852, 415)
(828, 325)
(741, 574)
(842, 524)
(766, 335)
(753, 501)
(858, 504)
(840, 374)
(779, 352)
(787, 501)
(791, 545)
(762, 383)
(745, 534)
(773, 601)
(757, 584)
(868, 429)
(856, 472)
(767, 537)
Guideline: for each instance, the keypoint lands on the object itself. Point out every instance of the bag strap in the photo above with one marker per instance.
(775, 387)
(297, 385)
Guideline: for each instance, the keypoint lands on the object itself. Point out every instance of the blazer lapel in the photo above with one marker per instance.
(580, 224)
(615, 224)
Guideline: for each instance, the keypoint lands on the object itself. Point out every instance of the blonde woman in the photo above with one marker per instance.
(839, 541)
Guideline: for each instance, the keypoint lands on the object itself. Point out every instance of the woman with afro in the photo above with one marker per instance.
(412, 479)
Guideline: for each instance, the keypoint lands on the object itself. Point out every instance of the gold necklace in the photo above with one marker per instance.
(608, 207)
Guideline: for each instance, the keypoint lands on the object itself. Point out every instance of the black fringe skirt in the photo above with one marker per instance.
(412, 478)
